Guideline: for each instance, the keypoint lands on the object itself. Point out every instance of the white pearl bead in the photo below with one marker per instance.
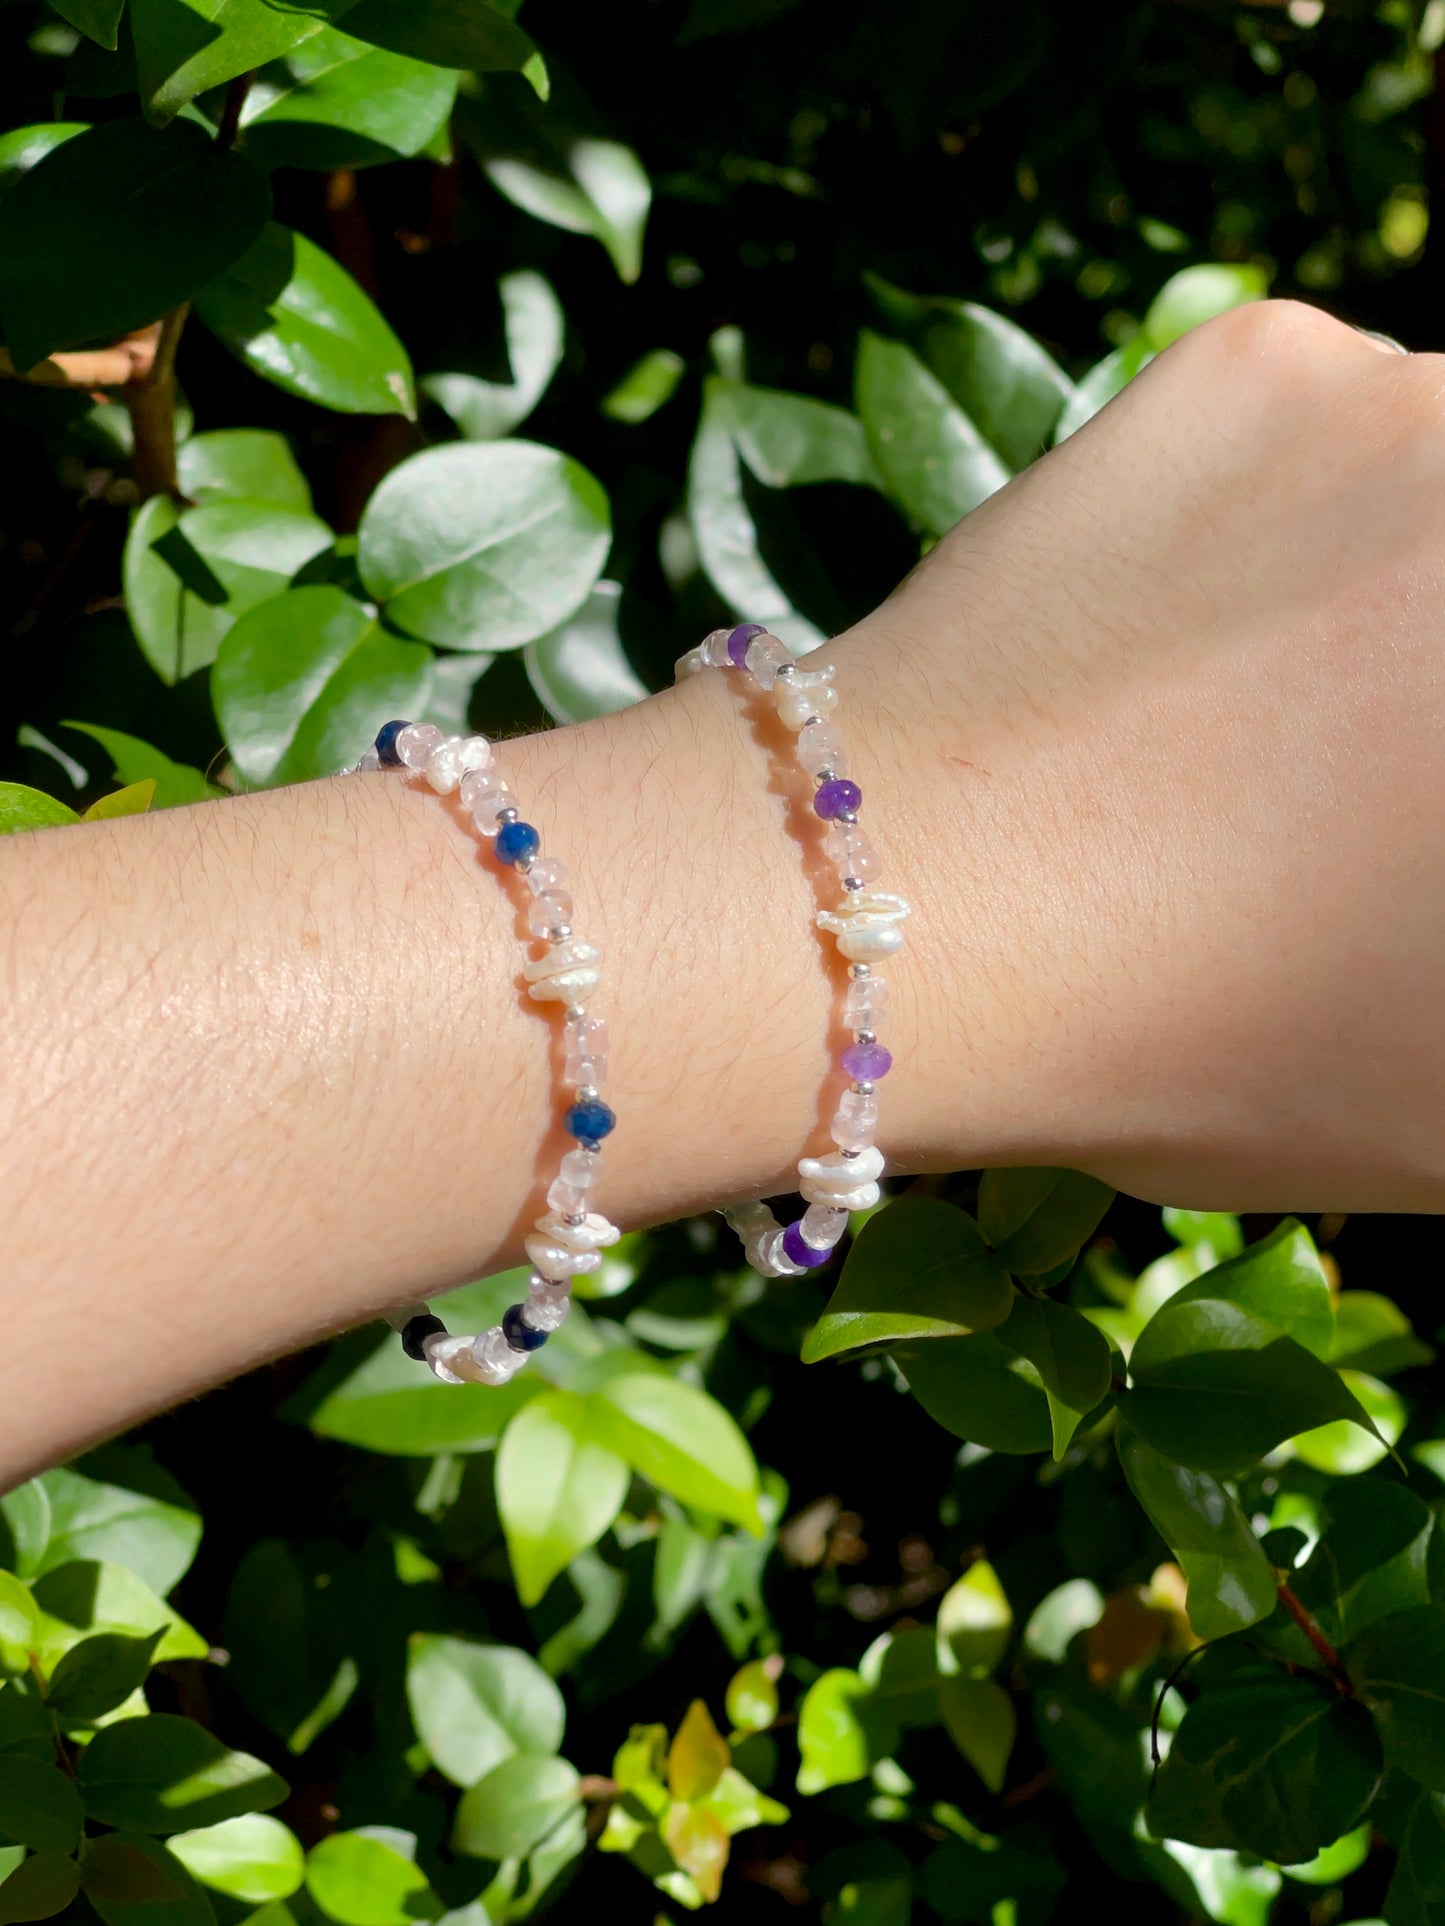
(795, 705)
(416, 741)
(568, 973)
(843, 1183)
(553, 1259)
(453, 758)
(594, 1233)
(451, 1359)
(866, 926)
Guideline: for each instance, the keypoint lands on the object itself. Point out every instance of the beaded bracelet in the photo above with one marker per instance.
(568, 1240)
(866, 926)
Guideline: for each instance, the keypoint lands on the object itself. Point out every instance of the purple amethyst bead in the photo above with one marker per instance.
(738, 642)
(836, 797)
(867, 1062)
(801, 1252)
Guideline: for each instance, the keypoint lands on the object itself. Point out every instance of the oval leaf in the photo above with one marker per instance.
(475, 1705)
(558, 1488)
(168, 1774)
(515, 1806)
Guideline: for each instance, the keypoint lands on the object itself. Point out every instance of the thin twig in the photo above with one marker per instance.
(1342, 1679)
(231, 113)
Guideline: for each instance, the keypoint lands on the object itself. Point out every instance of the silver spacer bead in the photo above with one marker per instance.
(811, 719)
(575, 1218)
(852, 882)
(865, 1036)
(575, 1012)
(863, 1088)
(785, 668)
(850, 1154)
(849, 816)
(588, 1093)
(859, 970)
(508, 816)
(559, 932)
(823, 775)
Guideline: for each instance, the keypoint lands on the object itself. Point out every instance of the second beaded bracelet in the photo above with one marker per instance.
(569, 1238)
(866, 925)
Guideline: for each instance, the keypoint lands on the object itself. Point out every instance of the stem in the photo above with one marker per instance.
(231, 113)
(1318, 1640)
(151, 404)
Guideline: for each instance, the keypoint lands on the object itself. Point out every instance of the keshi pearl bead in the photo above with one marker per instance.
(845, 1183)
(553, 907)
(819, 747)
(567, 973)
(488, 808)
(417, 741)
(714, 649)
(594, 1233)
(795, 705)
(854, 1121)
(452, 1359)
(822, 1226)
(849, 850)
(765, 656)
(553, 1259)
(548, 872)
(866, 925)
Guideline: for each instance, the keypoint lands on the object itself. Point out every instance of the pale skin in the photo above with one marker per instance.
(1154, 743)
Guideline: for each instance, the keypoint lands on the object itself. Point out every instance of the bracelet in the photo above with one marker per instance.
(866, 926)
(569, 1239)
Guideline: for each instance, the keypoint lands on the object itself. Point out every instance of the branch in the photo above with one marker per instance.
(231, 113)
(1343, 1682)
(151, 404)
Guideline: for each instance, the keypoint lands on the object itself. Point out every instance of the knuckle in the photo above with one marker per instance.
(1268, 335)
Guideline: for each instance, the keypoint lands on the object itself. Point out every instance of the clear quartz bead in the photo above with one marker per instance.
(865, 1006)
(568, 1200)
(772, 1260)
(855, 1121)
(765, 656)
(416, 741)
(475, 783)
(583, 1168)
(585, 1041)
(496, 1359)
(714, 649)
(367, 761)
(850, 851)
(550, 910)
(822, 1226)
(488, 808)
(548, 872)
(820, 745)
(548, 1305)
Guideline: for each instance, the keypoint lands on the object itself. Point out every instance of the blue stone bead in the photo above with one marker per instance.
(385, 744)
(521, 1336)
(515, 841)
(416, 1331)
(590, 1122)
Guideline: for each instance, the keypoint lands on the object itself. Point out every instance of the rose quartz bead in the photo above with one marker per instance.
(849, 849)
(548, 1305)
(822, 1226)
(548, 911)
(475, 784)
(585, 1039)
(855, 1121)
(415, 743)
(765, 656)
(487, 808)
(865, 1006)
(568, 1200)
(583, 1168)
(820, 746)
(548, 872)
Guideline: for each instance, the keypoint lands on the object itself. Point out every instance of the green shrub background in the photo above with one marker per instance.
(872, 1598)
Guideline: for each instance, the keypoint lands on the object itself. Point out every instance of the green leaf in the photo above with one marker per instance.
(978, 1389)
(1060, 1616)
(1070, 1354)
(535, 332)
(189, 574)
(39, 1805)
(19, 1625)
(134, 800)
(919, 1269)
(392, 1405)
(247, 464)
(334, 101)
(994, 369)
(1373, 1334)
(1038, 1219)
(24, 1521)
(87, 1595)
(580, 670)
(1398, 1667)
(1417, 1890)
(607, 196)
(975, 1624)
(1280, 1279)
(296, 317)
(516, 1805)
(134, 1881)
(484, 545)
(1342, 1448)
(252, 1857)
(1197, 294)
(186, 47)
(175, 783)
(1335, 1862)
(450, 33)
(698, 1755)
(1231, 1583)
(789, 441)
(155, 1537)
(39, 1888)
(1215, 1387)
(979, 1717)
(99, 1673)
(1274, 1764)
(290, 1661)
(681, 1440)
(648, 385)
(737, 1802)
(833, 1744)
(168, 1774)
(306, 676)
(76, 266)
(475, 1705)
(933, 460)
(1100, 385)
(1216, 1231)
(752, 1696)
(558, 1488)
(23, 808)
(25, 1725)
(362, 1881)
(99, 20)
(22, 147)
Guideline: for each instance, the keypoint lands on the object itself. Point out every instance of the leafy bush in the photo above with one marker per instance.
(1053, 1554)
